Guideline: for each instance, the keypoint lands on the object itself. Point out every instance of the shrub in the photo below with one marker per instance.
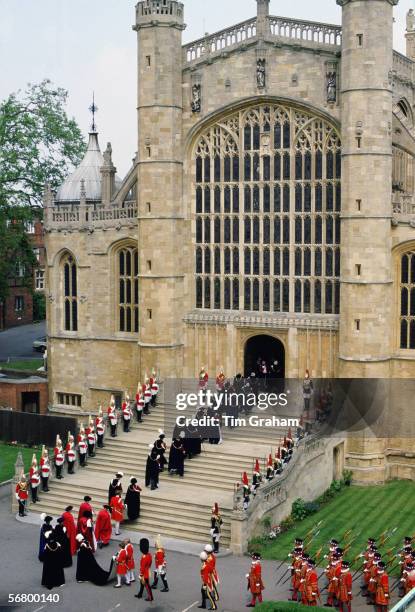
(298, 510)
(312, 507)
(347, 477)
(287, 523)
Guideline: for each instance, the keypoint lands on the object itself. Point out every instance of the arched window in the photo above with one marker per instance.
(407, 301)
(273, 176)
(127, 267)
(70, 293)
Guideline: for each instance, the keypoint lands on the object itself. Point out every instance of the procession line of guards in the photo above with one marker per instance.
(86, 442)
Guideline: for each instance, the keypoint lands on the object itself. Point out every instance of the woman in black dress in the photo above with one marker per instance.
(87, 568)
(152, 469)
(132, 500)
(52, 575)
(61, 537)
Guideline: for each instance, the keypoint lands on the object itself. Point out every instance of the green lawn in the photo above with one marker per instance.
(283, 606)
(23, 364)
(8, 456)
(367, 511)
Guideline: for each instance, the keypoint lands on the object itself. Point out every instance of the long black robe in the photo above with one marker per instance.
(132, 501)
(88, 569)
(160, 447)
(192, 441)
(176, 457)
(53, 574)
(42, 540)
(114, 488)
(152, 470)
(60, 536)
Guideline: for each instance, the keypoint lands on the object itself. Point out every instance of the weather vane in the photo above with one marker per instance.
(93, 109)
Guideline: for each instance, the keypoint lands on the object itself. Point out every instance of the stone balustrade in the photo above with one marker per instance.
(220, 41)
(283, 30)
(75, 216)
(306, 31)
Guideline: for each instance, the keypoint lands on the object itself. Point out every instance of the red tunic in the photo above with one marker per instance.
(122, 563)
(45, 467)
(145, 566)
(21, 492)
(129, 549)
(103, 526)
(311, 589)
(211, 561)
(59, 456)
(34, 476)
(70, 451)
(69, 523)
(206, 576)
(160, 557)
(382, 590)
(345, 587)
(256, 585)
(117, 508)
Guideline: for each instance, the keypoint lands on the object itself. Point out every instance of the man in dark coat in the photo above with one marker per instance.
(160, 446)
(115, 487)
(152, 469)
(53, 574)
(176, 457)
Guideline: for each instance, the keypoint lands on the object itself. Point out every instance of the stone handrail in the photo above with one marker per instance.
(220, 41)
(75, 216)
(403, 66)
(306, 31)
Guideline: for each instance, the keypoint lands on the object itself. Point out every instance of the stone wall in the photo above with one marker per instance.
(309, 474)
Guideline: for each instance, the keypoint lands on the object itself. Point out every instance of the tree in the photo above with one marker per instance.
(39, 144)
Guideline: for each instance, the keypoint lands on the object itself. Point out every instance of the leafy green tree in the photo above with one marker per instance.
(39, 144)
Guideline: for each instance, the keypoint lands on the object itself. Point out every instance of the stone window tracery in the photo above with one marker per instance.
(268, 184)
(407, 301)
(127, 268)
(70, 293)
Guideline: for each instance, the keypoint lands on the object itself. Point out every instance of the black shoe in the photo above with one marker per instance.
(203, 607)
(164, 590)
(154, 586)
(148, 599)
(138, 596)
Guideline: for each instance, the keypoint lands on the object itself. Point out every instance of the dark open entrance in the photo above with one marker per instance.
(265, 351)
(30, 402)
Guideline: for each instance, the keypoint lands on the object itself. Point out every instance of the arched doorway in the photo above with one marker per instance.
(264, 348)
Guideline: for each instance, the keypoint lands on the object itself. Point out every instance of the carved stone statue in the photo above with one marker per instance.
(410, 21)
(331, 87)
(260, 73)
(196, 98)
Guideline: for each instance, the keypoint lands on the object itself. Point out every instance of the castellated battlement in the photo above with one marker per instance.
(163, 10)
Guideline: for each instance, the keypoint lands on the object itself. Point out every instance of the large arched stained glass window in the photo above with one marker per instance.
(70, 293)
(268, 195)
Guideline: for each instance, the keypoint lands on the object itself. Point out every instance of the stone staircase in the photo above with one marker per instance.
(181, 507)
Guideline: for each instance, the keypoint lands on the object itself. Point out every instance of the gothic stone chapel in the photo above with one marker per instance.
(272, 194)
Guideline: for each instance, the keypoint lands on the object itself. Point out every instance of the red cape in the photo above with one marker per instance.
(103, 527)
(84, 506)
(69, 523)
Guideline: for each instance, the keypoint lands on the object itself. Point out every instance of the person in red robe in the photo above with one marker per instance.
(84, 506)
(86, 528)
(103, 526)
(255, 584)
(69, 523)
(145, 569)
(382, 588)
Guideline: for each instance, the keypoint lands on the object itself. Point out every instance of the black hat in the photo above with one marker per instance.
(298, 541)
(371, 540)
(60, 519)
(256, 556)
(87, 514)
(68, 508)
(408, 539)
(87, 498)
(48, 519)
(339, 551)
(144, 546)
(334, 542)
(311, 563)
(378, 556)
(381, 565)
(133, 480)
(345, 564)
